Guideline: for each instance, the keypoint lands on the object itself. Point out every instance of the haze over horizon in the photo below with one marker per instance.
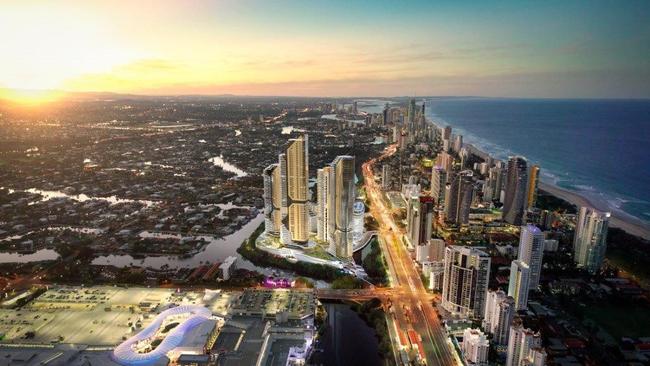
(500, 49)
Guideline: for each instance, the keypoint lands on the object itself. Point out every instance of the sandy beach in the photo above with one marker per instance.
(619, 220)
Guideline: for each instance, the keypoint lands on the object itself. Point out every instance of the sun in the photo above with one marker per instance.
(30, 97)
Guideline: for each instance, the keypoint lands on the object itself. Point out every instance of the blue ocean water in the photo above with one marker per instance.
(600, 148)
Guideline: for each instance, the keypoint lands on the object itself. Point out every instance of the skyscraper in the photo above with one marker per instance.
(342, 193)
(466, 276)
(531, 189)
(458, 198)
(590, 239)
(422, 232)
(446, 133)
(493, 184)
(524, 346)
(458, 143)
(515, 199)
(531, 251)
(475, 347)
(518, 286)
(413, 216)
(499, 312)
(297, 186)
(282, 162)
(322, 178)
(411, 113)
(272, 200)
(386, 114)
(438, 182)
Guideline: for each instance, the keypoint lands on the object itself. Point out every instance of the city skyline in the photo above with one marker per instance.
(254, 182)
(574, 49)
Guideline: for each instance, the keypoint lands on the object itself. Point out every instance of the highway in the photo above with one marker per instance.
(412, 304)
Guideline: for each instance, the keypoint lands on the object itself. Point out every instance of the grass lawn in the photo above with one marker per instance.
(621, 320)
(319, 251)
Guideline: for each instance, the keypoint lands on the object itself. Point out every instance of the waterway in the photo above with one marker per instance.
(48, 195)
(215, 251)
(347, 341)
(38, 256)
(218, 161)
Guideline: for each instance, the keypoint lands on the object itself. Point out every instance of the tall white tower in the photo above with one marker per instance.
(531, 251)
(590, 240)
(518, 286)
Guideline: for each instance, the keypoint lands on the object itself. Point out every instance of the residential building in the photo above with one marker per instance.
(342, 194)
(272, 200)
(458, 197)
(524, 346)
(322, 181)
(438, 183)
(590, 238)
(531, 251)
(297, 156)
(466, 276)
(515, 190)
(475, 347)
(531, 189)
(499, 312)
(518, 286)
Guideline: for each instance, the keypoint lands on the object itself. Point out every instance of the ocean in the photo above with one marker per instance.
(598, 148)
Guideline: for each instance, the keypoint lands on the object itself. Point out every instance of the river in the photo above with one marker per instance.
(216, 250)
(348, 340)
(226, 166)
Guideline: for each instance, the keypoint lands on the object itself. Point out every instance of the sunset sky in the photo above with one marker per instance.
(328, 48)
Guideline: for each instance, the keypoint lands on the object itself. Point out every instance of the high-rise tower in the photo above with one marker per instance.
(466, 276)
(524, 346)
(297, 158)
(531, 189)
(518, 285)
(499, 312)
(531, 251)
(323, 191)
(421, 224)
(458, 197)
(344, 194)
(590, 239)
(438, 182)
(272, 200)
(515, 198)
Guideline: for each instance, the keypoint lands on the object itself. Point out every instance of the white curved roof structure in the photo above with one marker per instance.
(125, 353)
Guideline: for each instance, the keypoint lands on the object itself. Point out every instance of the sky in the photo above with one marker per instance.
(553, 49)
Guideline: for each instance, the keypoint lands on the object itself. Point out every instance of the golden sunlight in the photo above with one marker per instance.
(30, 97)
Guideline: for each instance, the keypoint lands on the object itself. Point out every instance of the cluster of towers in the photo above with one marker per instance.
(456, 185)
(289, 211)
(465, 177)
(286, 194)
(465, 294)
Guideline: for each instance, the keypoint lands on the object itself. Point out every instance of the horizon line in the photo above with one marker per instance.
(225, 95)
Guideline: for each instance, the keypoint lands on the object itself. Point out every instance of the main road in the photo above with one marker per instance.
(412, 309)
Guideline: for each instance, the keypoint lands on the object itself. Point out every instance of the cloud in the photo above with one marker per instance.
(601, 83)
(151, 64)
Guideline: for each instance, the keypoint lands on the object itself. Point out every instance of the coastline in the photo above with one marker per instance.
(627, 223)
(619, 219)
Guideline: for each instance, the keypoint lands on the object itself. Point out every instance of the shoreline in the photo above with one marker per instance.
(624, 222)
(619, 219)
